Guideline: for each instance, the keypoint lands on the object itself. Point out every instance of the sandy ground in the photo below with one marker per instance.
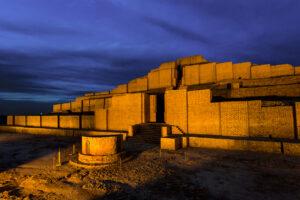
(27, 172)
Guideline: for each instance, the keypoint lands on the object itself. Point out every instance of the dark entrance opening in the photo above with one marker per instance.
(160, 109)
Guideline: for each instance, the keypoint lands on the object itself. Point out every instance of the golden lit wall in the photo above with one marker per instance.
(125, 110)
(175, 108)
(34, 121)
(69, 121)
(50, 121)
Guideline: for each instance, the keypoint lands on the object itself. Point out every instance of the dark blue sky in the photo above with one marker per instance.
(53, 51)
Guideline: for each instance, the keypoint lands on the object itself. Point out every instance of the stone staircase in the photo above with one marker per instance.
(147, 133)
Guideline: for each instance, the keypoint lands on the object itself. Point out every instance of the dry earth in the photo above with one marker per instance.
(27, 172)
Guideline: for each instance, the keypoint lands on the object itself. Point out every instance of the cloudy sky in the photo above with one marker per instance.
(53, 51)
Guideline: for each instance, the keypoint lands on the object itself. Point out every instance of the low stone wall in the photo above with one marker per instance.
(239, 144)
(59, 132)
(53, 121)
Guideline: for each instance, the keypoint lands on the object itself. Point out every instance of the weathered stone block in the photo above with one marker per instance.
(166, 131)
(154, 79)
(231, 144)
(86, 105)
(234, 119)
(66, 106)
(176, 109)
(101, 119)
(87, 121)
(191, 75)
(69, 121)
(10, 120)
(207, 73)
(198, 59)
(50, 121)
(34, 121)
(292, 149)
(20, 120)
(170, 143)
(282, 70)
(139, 84)
(224, 71)
(120, 89)
(57, 108)
(297, 70)
(241, 70)
(102, 145)
(260, 71)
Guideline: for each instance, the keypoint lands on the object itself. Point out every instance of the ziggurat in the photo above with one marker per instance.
(189, 102)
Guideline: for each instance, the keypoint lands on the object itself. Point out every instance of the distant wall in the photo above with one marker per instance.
(76, 106)
(50, 121)
(57, 108)
(69, 121)
(10, 120)
(20, 120)
(34, 121)
(66, 106)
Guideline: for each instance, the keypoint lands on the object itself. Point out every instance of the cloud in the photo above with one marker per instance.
(177, 31)
(38, 29)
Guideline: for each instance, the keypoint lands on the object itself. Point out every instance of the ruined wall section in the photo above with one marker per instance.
(194, 110)
(176, 110)
(163, 77)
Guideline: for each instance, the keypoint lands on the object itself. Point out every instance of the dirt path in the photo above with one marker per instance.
(27, 172)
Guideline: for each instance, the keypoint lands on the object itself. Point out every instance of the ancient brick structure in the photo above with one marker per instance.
(239, 106)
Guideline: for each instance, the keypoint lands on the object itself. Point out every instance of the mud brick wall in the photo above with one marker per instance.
(138, 85)
(191, 60)
(34, 121)
(120, 89)
(69, 121)
(163, 77)
(277, 90)
(224, 71)
(234, 119)
(126, 110)
(282, 70)
(66, 106)
(203, 116)
(191, 75)
(297, 107)
(101, 119)
(50, 121)
(20, 120)
(86, 105)
(10, 120)
(76, 106)
(241, 70)
(57, 108)
(208, 73)
(176, 108)
(87, 121)
(260, 71)
(92, 104)
(297, 70)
